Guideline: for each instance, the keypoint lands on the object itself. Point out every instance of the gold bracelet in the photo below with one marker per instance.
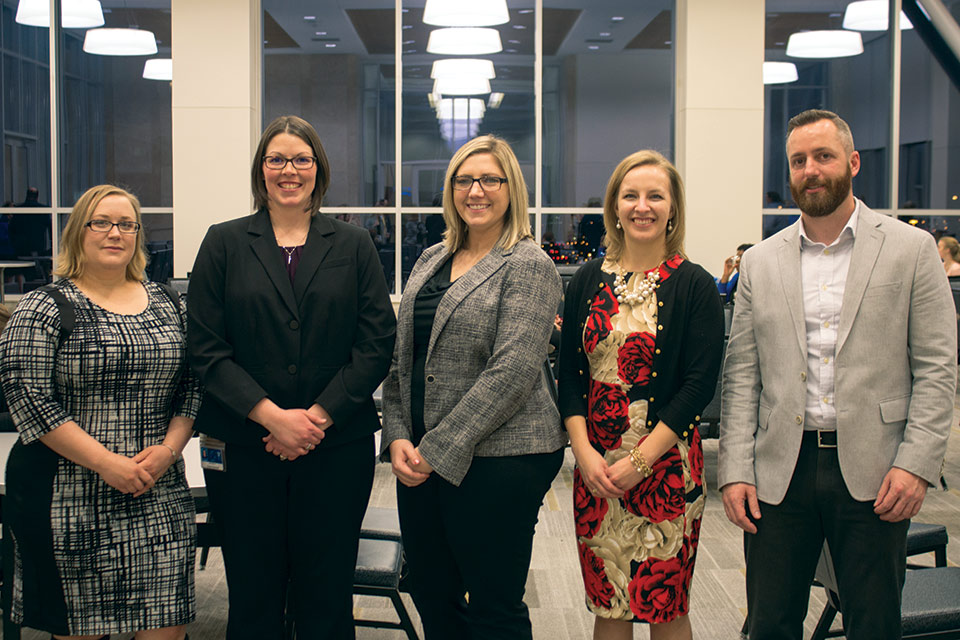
(172, 450)
(640, 463)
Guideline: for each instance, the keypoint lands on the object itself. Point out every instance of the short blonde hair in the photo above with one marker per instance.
(71, 260)
(950, 244)
(644, 158)
(516, 226)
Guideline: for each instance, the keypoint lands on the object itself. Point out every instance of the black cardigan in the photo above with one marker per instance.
(687, 357)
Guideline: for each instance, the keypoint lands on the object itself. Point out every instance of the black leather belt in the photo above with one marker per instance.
(824, 439)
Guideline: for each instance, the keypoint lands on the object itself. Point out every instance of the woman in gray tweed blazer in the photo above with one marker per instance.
(469, 423)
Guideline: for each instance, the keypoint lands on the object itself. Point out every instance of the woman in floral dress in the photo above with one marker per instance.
(640, 355)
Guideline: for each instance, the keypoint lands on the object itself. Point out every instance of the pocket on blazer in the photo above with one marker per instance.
(763, 416)
(887, 289)
(895, 409)
(332, 264)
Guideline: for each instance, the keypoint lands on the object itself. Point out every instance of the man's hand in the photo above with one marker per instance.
(737, 498)
(901, 495)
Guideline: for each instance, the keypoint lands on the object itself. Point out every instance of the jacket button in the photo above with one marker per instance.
(294, 325)
(581, 371)
(803, 376)
(431, 378)
(799, 419)
(656, 351)
(685, 434)
(649, 422)
(292, 369)
(696, 418)
(651, 398)
(660, 303)
(659, 327)
(584, 396)
(654, 374)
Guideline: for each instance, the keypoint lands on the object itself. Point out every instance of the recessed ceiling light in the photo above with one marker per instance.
(408, 26)
(525, 11)
(518, 26)
(593, 47)
(617, 18)
(461, 86)
(604, 34)
(309, 17)
(404, 42)
(330, 45)
(668, 42)
(511, 51)
(513, 41)
(410, 51)
(321, 33)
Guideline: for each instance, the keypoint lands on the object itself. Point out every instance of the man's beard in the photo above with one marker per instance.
(817, 205)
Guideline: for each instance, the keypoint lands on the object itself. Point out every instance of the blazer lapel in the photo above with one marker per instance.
(264, 246)
(788, 258)
(463, 286)
(318, 244)
(866, 250)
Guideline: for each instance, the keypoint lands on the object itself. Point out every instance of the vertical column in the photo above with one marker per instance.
(719, 124)
(216, 116)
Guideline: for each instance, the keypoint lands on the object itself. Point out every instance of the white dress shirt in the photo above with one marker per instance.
(823, 272)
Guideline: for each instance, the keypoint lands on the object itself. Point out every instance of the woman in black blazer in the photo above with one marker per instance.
(290, 330)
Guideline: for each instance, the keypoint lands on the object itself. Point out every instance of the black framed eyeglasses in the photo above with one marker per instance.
(104, 226)
(487, 183)
(278, 163)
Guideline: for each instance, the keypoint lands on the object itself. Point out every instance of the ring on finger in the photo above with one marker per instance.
(283, 457)
(310, 446)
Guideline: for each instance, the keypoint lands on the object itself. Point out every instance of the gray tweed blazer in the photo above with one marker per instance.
(486, 393)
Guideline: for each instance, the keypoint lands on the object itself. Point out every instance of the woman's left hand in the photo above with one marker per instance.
(423, 466)
(623, 474)
(156, 459)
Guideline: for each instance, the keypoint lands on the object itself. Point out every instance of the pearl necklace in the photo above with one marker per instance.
(646, 287)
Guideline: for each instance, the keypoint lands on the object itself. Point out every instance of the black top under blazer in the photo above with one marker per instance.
(485, 391)
(327, 338)
(687, 357)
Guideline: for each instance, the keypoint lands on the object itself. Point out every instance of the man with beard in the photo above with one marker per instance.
(838, 393)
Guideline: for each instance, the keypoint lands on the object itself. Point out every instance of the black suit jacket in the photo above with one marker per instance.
(327, 338)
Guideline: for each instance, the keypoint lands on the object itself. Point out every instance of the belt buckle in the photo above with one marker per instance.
(827, 435)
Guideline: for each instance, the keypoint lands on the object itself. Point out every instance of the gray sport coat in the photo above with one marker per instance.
(895, 362)
(485, 391)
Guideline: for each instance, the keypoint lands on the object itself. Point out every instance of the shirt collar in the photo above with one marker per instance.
(849, 230)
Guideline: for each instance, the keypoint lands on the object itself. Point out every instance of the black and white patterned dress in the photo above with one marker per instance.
(88, 558)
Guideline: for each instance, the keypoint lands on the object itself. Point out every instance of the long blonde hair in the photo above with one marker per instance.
(71, 259)
(516, 225)
(614, 238)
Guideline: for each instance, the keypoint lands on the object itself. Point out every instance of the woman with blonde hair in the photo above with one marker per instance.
(639, 358)
(97, 501)
(469, 422)
(949, 250)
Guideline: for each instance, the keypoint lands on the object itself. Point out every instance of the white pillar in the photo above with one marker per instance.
(216, 116)
(719, 144)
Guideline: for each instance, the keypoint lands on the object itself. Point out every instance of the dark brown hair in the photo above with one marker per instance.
(299, 127)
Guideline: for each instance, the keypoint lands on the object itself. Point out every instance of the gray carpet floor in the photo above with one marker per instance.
(554, 586)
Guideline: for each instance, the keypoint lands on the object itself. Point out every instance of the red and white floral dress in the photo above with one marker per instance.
(636, 553)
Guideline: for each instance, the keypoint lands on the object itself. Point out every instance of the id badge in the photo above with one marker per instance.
(212, 453)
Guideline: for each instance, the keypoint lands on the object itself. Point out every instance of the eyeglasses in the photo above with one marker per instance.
(279, 163)
(105, 226)
(487, 183)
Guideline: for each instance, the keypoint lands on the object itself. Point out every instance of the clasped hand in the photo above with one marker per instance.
(295, 432)
(603, 480)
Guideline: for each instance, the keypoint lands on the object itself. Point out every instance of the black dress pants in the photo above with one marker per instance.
(475, 540)
(291, 523)
(869, 555)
